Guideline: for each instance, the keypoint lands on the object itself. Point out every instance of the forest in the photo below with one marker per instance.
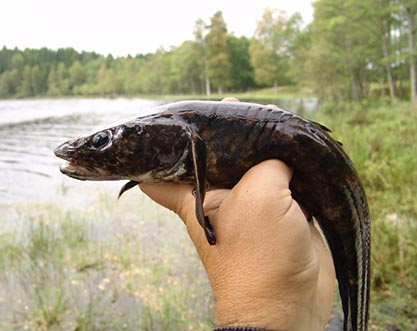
(350, 51)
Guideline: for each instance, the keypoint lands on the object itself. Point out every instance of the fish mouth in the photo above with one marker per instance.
(74, 170)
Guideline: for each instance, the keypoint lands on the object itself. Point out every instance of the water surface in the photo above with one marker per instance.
(31, 129)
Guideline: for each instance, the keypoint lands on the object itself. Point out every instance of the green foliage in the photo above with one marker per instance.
(271, 47)
(218, 53)
(185, 70)
(356, 43)
(9, 82)
(34, 72)
(242, 71)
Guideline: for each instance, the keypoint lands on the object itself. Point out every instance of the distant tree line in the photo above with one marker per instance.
(352, 50)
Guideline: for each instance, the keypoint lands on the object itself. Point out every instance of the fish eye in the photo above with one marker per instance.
(101, 139)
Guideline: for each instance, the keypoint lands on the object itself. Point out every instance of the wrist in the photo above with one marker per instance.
(267, 315)
(239, 328)
(249, 314)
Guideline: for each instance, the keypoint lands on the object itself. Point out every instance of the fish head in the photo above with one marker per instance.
(138, 150)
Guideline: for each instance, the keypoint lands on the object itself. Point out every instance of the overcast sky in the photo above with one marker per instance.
(122, 27)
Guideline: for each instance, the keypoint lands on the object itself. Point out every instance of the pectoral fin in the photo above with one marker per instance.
(198, 154)
(127, 187)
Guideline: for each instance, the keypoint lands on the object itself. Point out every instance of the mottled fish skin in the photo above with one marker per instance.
(218, 142)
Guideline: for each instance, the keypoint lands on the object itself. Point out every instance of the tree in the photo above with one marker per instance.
(53, 88)
(37, 81)
(218, 53)
(342, 49)
(9, 83)
(409, 9)
(153, 74)
(128, 73)
(77, 75)
(271, 46)
(384, 23)
(242, 71)
(200, 53)
(18, 62)
(186, 69)
(301, 57)
(107, 82)
(26, 88)
(5, 57)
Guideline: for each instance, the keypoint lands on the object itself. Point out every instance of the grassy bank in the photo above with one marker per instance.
(100, 269)
(381, 140)
(130, 265)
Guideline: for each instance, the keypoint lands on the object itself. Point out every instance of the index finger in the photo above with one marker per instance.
(175, 197)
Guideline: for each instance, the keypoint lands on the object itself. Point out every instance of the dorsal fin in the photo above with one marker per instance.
(323, 127)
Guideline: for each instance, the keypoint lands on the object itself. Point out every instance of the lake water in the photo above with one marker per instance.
(31, 129)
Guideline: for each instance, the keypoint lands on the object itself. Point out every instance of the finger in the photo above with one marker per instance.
(272, 105)
(268, 174)
(322, 250)
(176, 197)
(277, 173)
(265, 187)
(214, 199)
(327, 275)
(230, 99)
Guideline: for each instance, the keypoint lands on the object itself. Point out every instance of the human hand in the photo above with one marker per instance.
(269, 268)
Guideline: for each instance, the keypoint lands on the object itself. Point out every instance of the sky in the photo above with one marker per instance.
(122, 27)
